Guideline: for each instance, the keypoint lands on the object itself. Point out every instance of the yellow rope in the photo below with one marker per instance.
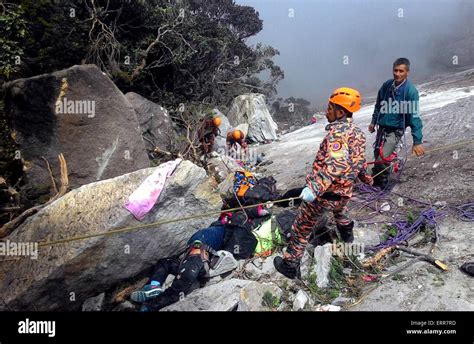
(449, 146)
(157, 223)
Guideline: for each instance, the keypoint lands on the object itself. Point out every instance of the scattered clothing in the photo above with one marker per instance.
(252, 192)
(285, 221)
(240, 240)
(212, 236)
(142, 200)
(268, 236)
(210, 252)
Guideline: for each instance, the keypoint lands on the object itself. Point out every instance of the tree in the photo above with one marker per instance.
(12, 36)
(171, 52)
(294, 110)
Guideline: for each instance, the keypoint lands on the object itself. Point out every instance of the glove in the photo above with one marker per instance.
(418, 150)
(307, 195)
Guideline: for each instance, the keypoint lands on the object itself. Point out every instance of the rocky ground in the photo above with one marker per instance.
(443, 175)
(442, 179)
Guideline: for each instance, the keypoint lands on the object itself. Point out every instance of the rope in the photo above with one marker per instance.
(157, 223)
(449, 146)
(385, 169)
(437, 149)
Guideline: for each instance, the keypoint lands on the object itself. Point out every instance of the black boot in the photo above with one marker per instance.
(287, 268)
(380, 182)
(347, 235)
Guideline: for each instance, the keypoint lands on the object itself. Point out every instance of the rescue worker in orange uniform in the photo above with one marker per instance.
(234, 138)
(208, 132)
(338, 163)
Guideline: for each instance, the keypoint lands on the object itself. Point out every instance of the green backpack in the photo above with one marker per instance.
(268, 237)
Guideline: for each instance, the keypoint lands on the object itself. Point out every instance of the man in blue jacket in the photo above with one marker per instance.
(396, 109)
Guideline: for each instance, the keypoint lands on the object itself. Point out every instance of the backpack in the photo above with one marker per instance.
(264, 191)
(268, 237)
(241, 242)
(243, 181)
(222, 263)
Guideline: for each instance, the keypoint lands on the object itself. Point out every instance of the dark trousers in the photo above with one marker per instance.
(188, 274)
(311, 216)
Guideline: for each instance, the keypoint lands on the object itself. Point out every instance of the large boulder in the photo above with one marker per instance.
(155, 124)
(222, 165)
(251, 108)
(63, 276)
(258, 297)
(220, 297)
(78, 112)
(231, 295)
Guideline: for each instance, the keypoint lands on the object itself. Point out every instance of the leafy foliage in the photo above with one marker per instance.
(12, 34)
(293, 110)
(171, 52)
(271, 301)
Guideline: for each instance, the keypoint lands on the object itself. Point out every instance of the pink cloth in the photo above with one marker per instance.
(145, 196)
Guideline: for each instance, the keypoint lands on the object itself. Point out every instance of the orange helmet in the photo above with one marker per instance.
(216, 121)
(346, 97)
(237, 134)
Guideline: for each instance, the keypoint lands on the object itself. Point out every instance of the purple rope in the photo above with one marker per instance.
(405, 231)
(465, 211)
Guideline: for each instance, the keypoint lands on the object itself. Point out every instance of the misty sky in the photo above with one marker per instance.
(313, 43)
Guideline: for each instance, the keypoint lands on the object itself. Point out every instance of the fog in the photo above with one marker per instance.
(369, 35)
